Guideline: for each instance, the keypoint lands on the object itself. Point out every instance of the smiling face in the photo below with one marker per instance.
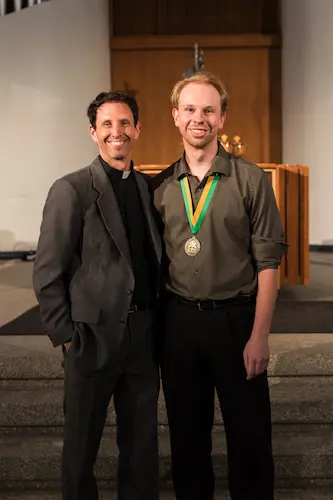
(115, 131)
(199, 116)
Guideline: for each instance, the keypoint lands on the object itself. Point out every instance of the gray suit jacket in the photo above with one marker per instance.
(82, 275)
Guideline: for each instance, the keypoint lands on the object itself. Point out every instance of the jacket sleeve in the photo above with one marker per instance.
(59, 235)
(267, 236)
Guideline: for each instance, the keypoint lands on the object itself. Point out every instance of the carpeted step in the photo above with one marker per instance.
(301, 354)
(30, 356)
(304, 494)
(302, 453)
(22, 317)
(39, 402)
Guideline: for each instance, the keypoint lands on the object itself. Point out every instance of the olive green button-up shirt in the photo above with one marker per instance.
(241, 233)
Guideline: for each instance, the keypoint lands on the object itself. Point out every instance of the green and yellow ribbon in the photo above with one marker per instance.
(195, 218)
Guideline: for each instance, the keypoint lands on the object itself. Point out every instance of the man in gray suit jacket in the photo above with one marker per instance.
(96, 278)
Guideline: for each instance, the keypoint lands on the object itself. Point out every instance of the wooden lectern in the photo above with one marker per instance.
(291, 187)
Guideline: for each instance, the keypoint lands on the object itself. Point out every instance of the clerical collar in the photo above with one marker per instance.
(126, 173)
(113, 173)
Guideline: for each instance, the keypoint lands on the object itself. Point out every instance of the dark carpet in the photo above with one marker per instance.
(289, 317)
(303, 317)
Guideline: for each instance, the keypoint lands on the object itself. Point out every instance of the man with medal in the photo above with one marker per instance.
(223, 245)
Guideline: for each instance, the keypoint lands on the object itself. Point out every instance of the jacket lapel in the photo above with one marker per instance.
(149, 209)
(109, 209)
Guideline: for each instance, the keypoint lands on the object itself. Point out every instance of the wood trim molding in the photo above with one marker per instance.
(187, 41)
(156, 169)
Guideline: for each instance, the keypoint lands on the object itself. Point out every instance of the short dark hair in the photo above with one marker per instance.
(118, 96)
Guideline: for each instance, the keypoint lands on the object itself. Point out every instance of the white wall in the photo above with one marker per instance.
(308, 104)
(54, 59)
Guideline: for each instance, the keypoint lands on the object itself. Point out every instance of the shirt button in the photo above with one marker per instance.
(122, 320)
(129, 291)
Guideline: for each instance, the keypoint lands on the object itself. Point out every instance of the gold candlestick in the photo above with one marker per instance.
(238, 147)
(226, 143)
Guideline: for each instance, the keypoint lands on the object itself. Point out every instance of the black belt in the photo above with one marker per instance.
(213, 305)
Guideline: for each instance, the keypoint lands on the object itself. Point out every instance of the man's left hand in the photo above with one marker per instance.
(256, 355)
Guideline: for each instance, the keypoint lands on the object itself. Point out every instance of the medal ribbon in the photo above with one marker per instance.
(196, 219)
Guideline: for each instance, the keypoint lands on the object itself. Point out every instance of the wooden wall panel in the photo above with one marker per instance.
(274, 86)
(243, 71)
(150, 66)
(271, 17)
(179, 17)
(188, 17)
(152, 75)
(134, 17)
(240, 16)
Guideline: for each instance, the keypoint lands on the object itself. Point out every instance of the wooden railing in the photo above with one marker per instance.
(291, 187)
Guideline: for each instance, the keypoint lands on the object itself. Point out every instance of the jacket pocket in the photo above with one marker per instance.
(85, 314)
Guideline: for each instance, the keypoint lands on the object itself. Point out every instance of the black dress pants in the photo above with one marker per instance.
(134, 382)
(203, 351)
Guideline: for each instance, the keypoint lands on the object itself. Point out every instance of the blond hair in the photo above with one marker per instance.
(201, 77)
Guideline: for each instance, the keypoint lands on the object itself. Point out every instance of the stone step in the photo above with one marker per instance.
(32, 356)
(304, 494)
(303, 452)
(39, 402)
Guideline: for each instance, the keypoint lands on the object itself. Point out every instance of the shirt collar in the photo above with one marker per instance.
(113, 174)
(220, 164)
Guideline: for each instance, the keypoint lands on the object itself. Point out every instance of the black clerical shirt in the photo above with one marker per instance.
(134, 220)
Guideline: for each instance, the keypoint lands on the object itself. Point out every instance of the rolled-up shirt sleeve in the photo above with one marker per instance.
(267, 235)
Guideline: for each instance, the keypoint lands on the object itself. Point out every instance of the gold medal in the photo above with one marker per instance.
(195, 218)
(192, 246)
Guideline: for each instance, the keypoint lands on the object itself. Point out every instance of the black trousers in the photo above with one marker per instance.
(134, 383)
(203, 351)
